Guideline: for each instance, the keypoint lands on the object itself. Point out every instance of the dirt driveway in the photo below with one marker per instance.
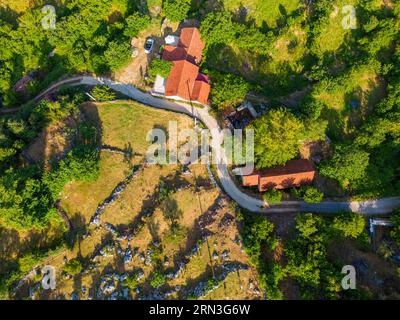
(134, 72)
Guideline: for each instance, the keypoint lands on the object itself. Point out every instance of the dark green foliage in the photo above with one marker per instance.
(136, 23)
(160, 67)
(29, 193)
(348, 165)
(176, 10)
(307, 260)
(349, 224)
(80, 164)
(25, 201)
(277, 138)
(312, 109)
(157, 279)
(273, 196)
(258, 238)
(84, 40)
(395, 233)
(228, 90)
(73, 267)
(311, 194)
(117, 54)
(103, 93)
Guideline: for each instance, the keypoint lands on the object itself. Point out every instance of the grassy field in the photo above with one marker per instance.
(261, 11)
(361, 86)
(331, 35)
(205, 219)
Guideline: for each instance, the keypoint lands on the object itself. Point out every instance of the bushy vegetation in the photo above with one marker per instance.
(349, 81)
(228, 90)
(160, 67)
(258, 239)
(307, 259)
(273, 196)
(278, 136)
(103, 93)
(73, 267)
(176, 10)
(309, 194)
(136, 23)
(348, 165)
(84, 40)
(350, 225)
(157, 279)
(29, 192)
(346, 82)
(306, 253)
(395, 233)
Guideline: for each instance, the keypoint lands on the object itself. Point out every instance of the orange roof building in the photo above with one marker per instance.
(294, 174)
(184, 81)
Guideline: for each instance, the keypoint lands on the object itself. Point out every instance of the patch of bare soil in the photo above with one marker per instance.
(134, 72)
(315, 150)
(53, 142)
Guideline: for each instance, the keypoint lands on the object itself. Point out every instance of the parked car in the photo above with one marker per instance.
(149, 45)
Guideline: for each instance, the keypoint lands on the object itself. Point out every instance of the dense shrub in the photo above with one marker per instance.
(73, 267)
(157, 279)
(160, 67)
(176, 10)
(311, 194)
(277, 138)
(273, 196)
(347, 166)
(228, 90)
(117, 54)
(395, 233)
(135, 23)
(349, 224)
(103, 93)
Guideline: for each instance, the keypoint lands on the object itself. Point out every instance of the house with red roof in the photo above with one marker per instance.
(294, 173)
(185, 82)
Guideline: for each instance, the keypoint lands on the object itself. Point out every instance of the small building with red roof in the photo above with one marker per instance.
(185, 82)
(294, 173)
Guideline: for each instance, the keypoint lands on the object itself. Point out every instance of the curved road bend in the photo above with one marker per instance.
(381, 206)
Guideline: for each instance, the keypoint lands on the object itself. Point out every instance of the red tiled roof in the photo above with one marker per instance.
(201, 90)
(181, 79)
(190, 39)
(184, 80)
(294, 174)
(172, 53)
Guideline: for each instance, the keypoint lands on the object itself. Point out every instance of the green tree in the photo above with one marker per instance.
(136, 23)
(273, 196)
(348, 165)
(157, 279)
(277, 138)
(349, 224)
(160, 67)
(73, 267)
(308, 225)
(103, 93)
(312, 194)
(229, 90)
(117, 54)
(395, 233)
(176, 10)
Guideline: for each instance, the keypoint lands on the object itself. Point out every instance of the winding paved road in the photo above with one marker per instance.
(381, 206)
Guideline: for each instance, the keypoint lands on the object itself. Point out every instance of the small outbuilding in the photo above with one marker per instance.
(294, 174)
